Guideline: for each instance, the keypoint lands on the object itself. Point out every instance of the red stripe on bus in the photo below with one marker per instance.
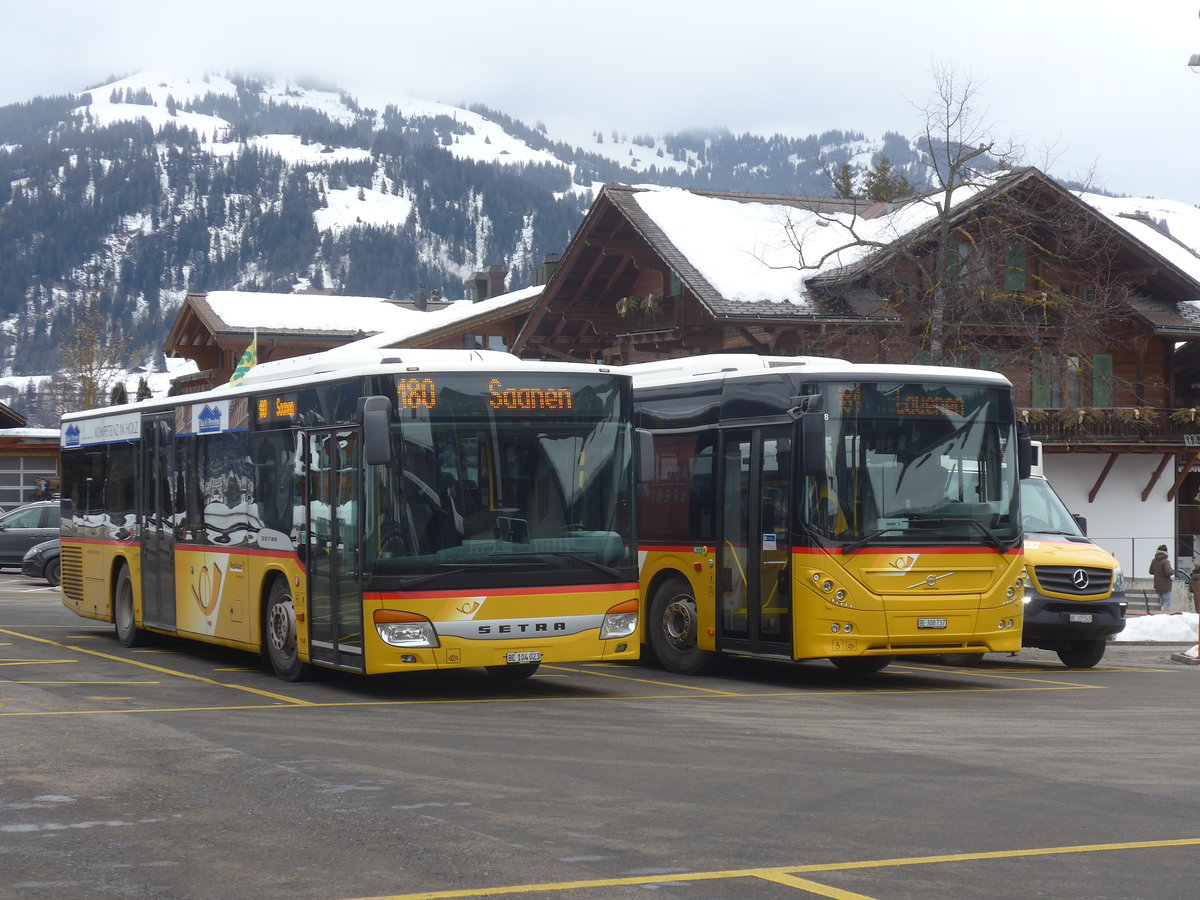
(502, 592)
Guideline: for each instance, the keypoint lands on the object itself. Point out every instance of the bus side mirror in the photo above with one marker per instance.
(645, 455)
(1081, 521)
(376, 421)
(810, 410)
(1024, 451)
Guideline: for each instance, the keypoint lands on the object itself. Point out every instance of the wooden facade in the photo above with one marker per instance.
(1114, 392)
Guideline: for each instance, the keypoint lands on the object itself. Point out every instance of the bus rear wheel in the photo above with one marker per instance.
(128, 634)
(674, 627)
(279, 633)
(861, 665)
(1082, 654)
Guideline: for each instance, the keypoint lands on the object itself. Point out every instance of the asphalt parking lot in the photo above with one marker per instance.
(185, 771)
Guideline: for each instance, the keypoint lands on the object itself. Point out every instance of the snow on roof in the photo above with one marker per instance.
(307, 312)
(1145, 219)
(753, 250)
(455, 313)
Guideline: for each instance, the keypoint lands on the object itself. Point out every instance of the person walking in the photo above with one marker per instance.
(1163, 572)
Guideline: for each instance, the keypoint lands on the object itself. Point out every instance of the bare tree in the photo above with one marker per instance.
(991, 264)
(92, 357)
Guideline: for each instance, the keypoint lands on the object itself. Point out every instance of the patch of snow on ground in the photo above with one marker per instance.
(1176, 629)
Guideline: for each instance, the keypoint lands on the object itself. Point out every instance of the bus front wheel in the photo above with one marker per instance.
(1082, 654)
(128, 634)
(510, 674)
(674, 626)
(279, 631)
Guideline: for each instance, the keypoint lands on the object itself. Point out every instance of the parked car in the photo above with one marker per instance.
(41, 561)
(25, 526)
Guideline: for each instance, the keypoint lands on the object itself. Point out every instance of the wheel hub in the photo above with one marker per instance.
(679, 623)
(282, 628)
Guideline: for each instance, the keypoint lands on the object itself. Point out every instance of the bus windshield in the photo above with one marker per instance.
(510, 473)
(911, 461)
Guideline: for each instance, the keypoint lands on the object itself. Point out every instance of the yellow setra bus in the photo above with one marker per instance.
(799, 508)
(365, 510)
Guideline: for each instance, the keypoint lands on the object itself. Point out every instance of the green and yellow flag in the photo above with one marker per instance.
(246, 363)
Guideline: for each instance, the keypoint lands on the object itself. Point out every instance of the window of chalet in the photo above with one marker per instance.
(1014, 267)
(1072, 381)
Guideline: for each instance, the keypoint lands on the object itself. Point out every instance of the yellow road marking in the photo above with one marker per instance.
(812, 887)
(778, 874)
(36, 662)
(294, 701)
(89, 683)
(657, 683)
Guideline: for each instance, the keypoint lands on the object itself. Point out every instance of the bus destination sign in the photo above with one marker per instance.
(908, 401)
(422, 393)
(276, 409)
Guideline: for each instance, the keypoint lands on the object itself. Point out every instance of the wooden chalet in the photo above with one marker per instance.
(1120, 408)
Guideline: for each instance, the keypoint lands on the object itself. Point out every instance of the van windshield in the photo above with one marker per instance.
(1043, 511)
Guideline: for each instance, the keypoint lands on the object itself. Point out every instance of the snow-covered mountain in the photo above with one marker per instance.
(134, 192)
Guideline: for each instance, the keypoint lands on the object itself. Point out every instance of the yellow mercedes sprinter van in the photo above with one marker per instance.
(1075, 593)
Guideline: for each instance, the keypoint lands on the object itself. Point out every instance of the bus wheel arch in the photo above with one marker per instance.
(673, 627)
(280, 632)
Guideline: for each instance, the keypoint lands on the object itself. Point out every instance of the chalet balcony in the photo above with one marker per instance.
(1132, 425)
(661, 318)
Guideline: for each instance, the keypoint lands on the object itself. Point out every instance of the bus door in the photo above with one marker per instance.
(755, 556)
(334, 561)
(158, 523)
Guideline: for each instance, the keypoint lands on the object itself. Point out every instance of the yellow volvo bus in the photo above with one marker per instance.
(800, 508)
(368, 510)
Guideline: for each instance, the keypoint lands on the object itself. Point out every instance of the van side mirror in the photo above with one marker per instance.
(1080, 521)
(1024, 451)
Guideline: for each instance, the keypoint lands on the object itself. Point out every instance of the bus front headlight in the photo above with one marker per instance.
(620, 621)
(404, 629)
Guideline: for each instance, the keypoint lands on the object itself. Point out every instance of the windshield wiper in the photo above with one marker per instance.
(988, 534)
(574, 557)
(868, 539)
(417, 580)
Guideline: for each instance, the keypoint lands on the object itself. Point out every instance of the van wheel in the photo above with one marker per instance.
(128, 634)
(674, 625)
(1082, 654)
(279, 634)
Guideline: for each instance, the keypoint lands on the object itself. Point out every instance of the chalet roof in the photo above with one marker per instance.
(457, 318)
(735, 251)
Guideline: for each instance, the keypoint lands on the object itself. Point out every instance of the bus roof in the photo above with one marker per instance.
(329, 365)
(716, 365)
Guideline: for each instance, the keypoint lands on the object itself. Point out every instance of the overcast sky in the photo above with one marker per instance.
(1089, 84)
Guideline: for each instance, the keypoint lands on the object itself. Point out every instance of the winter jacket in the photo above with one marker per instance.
(1161, 569)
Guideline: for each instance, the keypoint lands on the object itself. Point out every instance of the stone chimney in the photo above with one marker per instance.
(543, 273)
(488, 283)
(421, 299)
